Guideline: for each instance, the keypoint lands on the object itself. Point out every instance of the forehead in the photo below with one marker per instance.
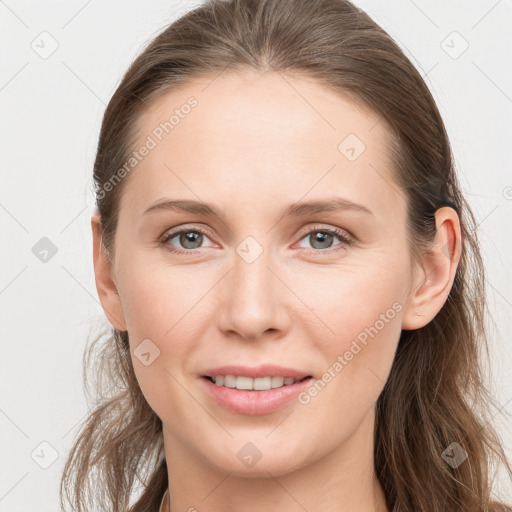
(258, 135)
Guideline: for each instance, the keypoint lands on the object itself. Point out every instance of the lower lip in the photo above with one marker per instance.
(253, 403)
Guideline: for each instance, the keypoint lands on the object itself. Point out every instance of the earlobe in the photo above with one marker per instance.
(430, 291)
(105, 284)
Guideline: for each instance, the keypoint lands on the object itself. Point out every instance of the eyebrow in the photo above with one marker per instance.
(292, 210)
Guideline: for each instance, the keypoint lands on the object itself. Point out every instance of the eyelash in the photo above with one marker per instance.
(345, 240)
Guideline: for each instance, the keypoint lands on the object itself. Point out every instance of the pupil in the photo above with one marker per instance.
(323, 238)
(190, 238)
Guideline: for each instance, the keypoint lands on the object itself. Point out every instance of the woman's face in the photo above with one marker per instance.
(262, 283)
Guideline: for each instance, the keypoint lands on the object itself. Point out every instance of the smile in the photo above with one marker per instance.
(257, 384)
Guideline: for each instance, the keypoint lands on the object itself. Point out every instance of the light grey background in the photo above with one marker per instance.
(51, 110)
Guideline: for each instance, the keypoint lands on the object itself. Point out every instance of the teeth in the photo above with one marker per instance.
(257, 384)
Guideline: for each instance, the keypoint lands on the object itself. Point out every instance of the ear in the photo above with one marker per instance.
(105, 284)
(435, 275)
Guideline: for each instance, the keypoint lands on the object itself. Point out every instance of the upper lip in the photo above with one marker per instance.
(264, 370)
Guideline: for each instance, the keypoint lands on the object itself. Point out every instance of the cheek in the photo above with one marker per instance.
(356, 327)
(352, 297)
(162, 304)
(155, 295)
(158, 305)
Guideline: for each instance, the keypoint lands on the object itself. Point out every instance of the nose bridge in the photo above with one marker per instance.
(251, 304)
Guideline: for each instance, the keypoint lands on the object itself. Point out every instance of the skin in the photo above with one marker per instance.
(255, 143)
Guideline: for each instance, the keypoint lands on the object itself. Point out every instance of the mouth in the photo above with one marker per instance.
(260, 395)
(253, 384)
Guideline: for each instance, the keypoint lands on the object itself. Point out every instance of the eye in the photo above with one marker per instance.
(190, 239)
(322, 239)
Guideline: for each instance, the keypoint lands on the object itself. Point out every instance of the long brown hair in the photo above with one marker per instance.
(435, 394)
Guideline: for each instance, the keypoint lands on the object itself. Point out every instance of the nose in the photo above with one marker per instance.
(253, 300)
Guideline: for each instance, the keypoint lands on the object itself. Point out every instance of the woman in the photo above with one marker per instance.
(292, 276)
